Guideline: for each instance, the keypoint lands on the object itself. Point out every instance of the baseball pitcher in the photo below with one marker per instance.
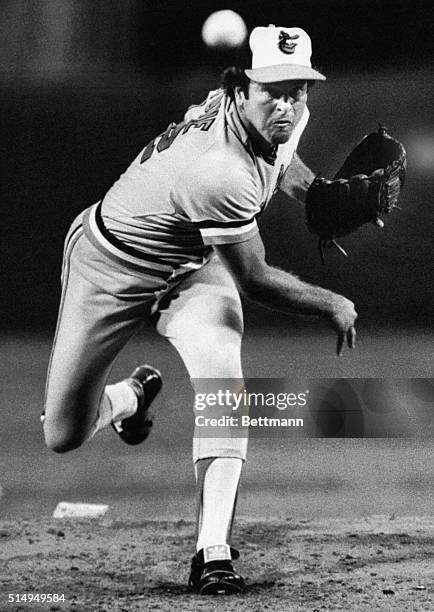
(176, 240)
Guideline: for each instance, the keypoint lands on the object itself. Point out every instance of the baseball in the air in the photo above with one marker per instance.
(224, 29)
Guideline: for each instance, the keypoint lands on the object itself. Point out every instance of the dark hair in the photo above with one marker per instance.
(233, 77)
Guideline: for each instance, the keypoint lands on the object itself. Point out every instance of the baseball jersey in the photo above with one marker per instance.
(202, 182)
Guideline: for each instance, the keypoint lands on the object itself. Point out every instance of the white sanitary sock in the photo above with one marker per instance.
(118, 402)
(218, 495)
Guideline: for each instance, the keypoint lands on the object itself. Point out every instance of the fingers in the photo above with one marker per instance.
(340, 344)
(349, 336)
(342, 321)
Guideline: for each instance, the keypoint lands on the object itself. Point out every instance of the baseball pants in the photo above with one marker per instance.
(103, 304)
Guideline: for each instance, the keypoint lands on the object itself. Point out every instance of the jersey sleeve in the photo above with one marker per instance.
(221, 199)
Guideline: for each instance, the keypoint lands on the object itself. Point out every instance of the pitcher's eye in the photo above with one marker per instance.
(273, 92)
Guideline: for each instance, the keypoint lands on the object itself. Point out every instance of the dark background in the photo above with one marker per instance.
(86, 83)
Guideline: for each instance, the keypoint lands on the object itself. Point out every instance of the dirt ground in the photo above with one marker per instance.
(296, 560)
(375, 563)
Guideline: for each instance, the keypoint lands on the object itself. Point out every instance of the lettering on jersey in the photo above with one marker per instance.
(284, 45)
(148, 150)
(165, 140)
(203, 123)
(168, 136)
(162, 141)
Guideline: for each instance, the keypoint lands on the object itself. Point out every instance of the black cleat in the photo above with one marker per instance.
(146, 383)
(215, 577)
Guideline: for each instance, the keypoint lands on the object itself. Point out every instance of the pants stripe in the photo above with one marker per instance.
(70, 243)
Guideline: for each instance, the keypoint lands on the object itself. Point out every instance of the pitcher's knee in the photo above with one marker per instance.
(62, 441)
(69, 417)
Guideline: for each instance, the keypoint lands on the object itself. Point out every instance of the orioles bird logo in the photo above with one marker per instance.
(284, 45)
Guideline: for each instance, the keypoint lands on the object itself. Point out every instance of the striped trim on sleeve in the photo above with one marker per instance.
(228, 234)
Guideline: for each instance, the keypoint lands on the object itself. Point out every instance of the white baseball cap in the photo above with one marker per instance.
(281, 54)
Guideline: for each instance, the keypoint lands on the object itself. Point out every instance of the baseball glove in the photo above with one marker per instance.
(367, 185)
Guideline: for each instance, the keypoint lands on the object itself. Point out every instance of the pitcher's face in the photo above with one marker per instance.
(272, 110)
